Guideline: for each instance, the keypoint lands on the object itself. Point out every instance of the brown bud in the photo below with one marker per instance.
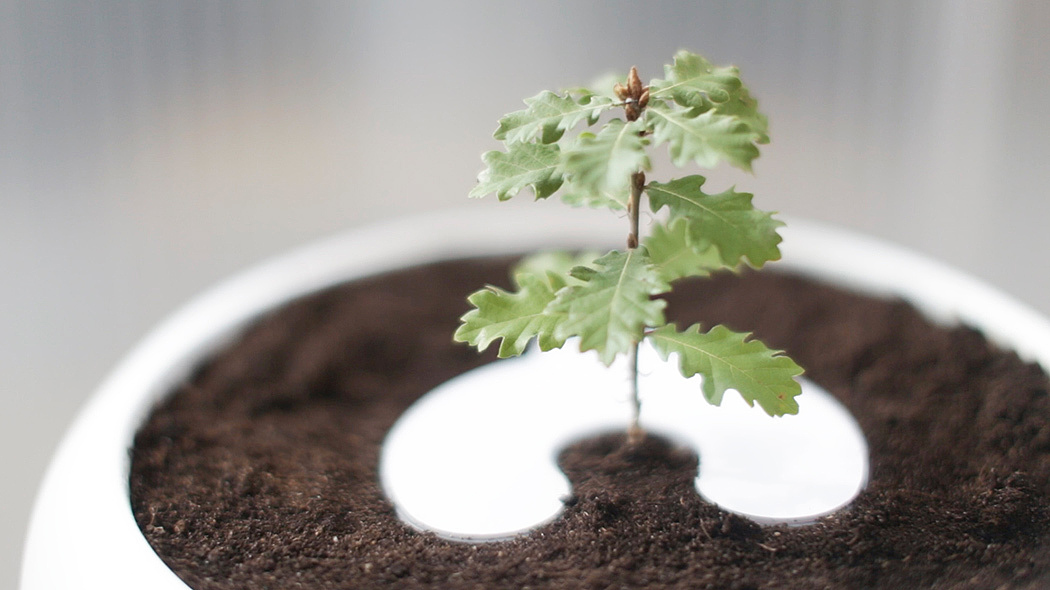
(621, 91)
(634, 83)
(638, 181)
(644, 100)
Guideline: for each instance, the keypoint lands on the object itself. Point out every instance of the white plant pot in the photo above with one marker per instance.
(82, 533)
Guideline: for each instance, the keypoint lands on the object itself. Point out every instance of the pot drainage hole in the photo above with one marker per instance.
(476, 458)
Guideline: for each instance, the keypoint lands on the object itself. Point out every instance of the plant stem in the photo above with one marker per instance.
(635, 97)
(635, 434)
(634, 206)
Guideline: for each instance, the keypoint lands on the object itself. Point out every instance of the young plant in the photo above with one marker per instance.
(705, 115)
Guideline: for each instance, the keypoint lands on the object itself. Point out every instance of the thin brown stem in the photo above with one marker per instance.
(635, 434)
(634, 207)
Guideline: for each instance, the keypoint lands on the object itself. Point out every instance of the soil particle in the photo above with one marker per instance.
(260, 470)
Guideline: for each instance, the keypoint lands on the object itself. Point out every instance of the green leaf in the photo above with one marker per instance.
(549, 115)
(706, 138)
(517, 317)
(673, 256)
(522, 165)
(601, 86)
(554, 267)
(726, 220)
(604, 163)
(745, 108)
(692, 81)
(611, 310)
(730, 360)
(512, 317)
(577, 197)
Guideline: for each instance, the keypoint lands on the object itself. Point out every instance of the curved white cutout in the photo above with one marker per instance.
(476, 458)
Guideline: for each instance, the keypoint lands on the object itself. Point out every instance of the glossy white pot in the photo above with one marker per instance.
(82, 533)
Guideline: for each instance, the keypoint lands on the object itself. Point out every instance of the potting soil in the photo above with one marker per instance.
(260, 470)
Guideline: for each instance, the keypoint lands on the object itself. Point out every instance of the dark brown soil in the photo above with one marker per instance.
(260, 471)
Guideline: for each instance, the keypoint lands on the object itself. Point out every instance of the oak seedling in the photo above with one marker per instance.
(611, 303)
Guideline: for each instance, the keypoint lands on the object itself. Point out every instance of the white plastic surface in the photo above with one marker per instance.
(82, 533)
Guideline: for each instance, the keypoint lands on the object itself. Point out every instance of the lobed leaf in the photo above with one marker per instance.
(600, 86)
(674, 257)
(603, 163)
(612, 308)
(706, 138)
(694, 82)
(725, 220)
(515, 318)
(730, 360)
(554, 267)
(578, 197)
(745, 108)
(522, 165)
(549, 115)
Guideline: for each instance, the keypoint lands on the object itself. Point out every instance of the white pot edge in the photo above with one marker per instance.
(82, 533)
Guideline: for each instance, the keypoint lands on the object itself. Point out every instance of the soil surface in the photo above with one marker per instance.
(260, 471)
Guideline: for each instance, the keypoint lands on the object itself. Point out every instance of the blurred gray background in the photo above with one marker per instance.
(151, 148)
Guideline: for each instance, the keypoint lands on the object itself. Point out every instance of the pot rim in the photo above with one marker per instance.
(82, 532)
